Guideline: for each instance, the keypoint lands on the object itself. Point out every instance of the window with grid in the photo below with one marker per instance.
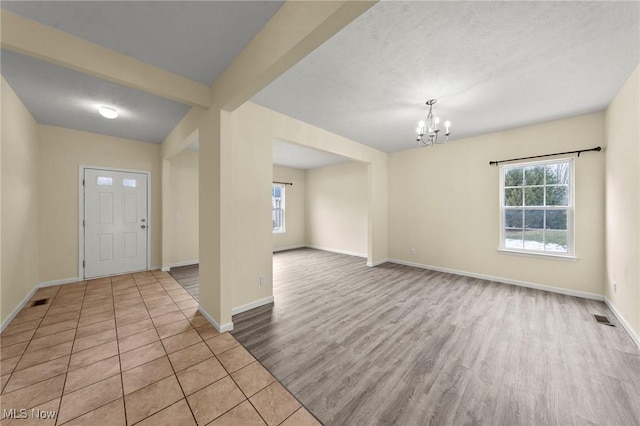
(277, 207)
(537, 207)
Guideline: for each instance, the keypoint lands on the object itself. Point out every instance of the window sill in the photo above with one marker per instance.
(563, 257)
(278, 232)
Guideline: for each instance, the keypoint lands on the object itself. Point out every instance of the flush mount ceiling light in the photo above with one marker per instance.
(428, 131)
(108, 112)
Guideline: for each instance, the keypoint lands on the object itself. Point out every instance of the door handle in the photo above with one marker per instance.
(143, 226)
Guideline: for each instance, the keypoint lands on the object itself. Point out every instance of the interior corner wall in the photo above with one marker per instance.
(623, 202)
(337, 208)
(19, 208)
(62, 151)
(444, 203)
(294, 235)
(183, 209)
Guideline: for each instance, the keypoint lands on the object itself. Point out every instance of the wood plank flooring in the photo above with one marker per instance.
(189, 279)
(406, 346)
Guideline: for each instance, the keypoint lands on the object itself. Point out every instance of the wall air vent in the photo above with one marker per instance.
(603, 320)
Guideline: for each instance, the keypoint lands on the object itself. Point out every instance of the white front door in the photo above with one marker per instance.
(115, 222)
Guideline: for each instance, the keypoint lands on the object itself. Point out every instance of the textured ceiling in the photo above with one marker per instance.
(491, 65)
(195, 39)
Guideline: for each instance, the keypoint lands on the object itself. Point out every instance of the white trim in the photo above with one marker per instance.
(81, 170)
(542, 255)
(165, 269)
(18, 308)
(350, 253)
(185, 263)
(59, 282)
(289, 248)
(377, 262)
(255, 304)
(552, 289)
(634, 336)
(221, 328)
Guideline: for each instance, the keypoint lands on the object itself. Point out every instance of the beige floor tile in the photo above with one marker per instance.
(134, 328)
(200, 375)
(91, 374)
(44, 414)
(111, 414)
(35, 394)
(13, 350)
(3, 381)
(54, 317)
(141, 355)
(274, 403)
(96, 305)
(89, 398)
(8, 365)
(198, 320)
(93, 318)
(222, 343)
(207, 331)
(162, 299)
(243, 414)
(52, 340)
(301, 418)
(189, 356)
(168, 318)
(48, 330)
(187, 303)
(135, 341)
(176, 414)
(130, 306)
(163, 310)
(130, 318)
(37, 373)
(252, 378)
(14, 327)
(59, 307)
(190, 311)
(153, 398)
(93, 340)
(181, 341)
(216, 399)
(235, 358)
(95, 354)
(181, 296)
(38, 356)
(23, 336)
(30, 314)
(174, 328)
(146, 374)
(97, 327)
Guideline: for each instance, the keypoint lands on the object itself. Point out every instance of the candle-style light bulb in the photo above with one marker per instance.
(447, 124)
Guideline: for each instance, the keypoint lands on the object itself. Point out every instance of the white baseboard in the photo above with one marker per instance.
(185, 263)
(634, 336)
(377, 262)
(255, 304)
(221, 328)
(165, 269)
(350, 253)
(552, 289)
(288, 248)
(59, 282)
(18, 308)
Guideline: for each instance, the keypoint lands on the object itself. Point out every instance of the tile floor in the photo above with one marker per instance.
(132, 349)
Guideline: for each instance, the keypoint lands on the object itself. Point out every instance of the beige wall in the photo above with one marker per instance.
(19, 208)
(623, 202)
(337, 208)
(294, 235)
(183, 209)
(444, 203)
(62, 151)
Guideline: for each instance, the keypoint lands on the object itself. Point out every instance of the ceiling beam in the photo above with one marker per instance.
(40, 41)
(297, 29)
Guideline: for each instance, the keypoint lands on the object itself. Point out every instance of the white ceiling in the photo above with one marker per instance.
(491, 65)
(297, 156)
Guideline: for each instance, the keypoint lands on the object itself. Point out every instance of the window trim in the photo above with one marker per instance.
(571, 252)
(283, 196)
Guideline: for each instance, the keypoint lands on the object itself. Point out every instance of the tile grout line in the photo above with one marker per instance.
(115, 321)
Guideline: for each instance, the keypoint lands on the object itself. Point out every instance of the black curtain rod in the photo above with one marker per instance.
(283, 183)
(495, 163)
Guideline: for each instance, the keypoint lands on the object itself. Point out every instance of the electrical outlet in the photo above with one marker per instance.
(413, 252)
(263, 280)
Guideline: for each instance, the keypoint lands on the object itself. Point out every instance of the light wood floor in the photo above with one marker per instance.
(400, 345)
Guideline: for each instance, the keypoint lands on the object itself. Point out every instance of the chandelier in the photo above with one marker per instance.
(428, 131)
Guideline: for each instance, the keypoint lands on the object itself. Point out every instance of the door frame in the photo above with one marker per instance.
(81, 236)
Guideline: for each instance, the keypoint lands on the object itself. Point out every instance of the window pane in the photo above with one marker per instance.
(534, 196)
(534, 239)
(513, 197)
(513, 218)
(131, 183)
(558, 174)
(534, 219)
(557, 195)
(534, 175)
(276, 191)
(513, 238)
(557, 219)
(513, 177)
(105, 181)
(556, 241)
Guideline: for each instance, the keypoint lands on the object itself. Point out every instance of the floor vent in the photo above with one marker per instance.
(603, 320)
(40, 302)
